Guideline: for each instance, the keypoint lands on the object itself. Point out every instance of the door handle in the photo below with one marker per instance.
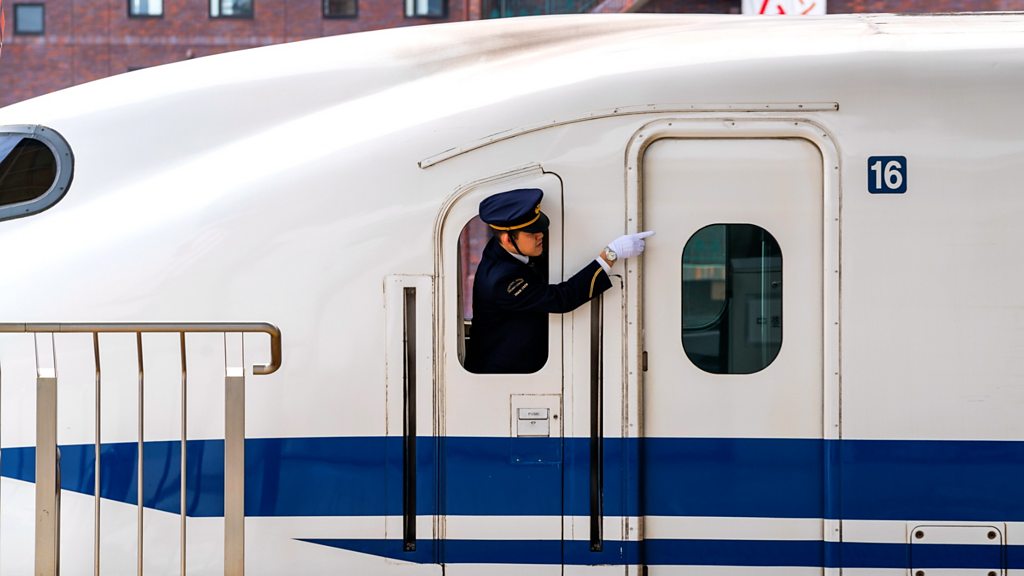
(409, 421)
(596, 423)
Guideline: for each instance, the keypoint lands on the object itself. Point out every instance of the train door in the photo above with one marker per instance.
(501, 434)
(731, 353)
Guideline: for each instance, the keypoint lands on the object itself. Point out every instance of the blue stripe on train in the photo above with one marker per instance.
(790, 553)
(361, 476)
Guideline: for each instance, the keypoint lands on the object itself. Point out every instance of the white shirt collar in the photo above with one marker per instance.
(520, 257)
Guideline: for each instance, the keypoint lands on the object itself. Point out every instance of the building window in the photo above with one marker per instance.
(425, 8)
(29, 19)
(340, 8)
(145, 8)
(512, 8)
(231, 8)
(35, 170)
(732, 299)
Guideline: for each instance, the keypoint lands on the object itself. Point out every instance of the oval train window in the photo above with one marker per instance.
(732, 298)
(35, 170)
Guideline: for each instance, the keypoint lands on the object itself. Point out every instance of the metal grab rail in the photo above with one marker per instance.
(47, 547)
(56, 536)
(162, 327)
(409, 421)
(597, 424)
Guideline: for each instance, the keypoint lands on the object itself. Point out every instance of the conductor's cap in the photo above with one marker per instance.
(515, 210)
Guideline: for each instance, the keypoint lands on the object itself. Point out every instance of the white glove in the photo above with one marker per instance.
(629, 245)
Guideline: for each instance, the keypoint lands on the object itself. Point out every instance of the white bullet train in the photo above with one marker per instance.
(239, 287)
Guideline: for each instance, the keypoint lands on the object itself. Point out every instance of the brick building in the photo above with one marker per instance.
(53, 44)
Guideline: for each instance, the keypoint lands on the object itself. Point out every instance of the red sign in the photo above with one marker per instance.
(784, 7)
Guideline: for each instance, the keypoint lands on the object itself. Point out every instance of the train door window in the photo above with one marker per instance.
(473, 239)
(732, 298)
(35, 170)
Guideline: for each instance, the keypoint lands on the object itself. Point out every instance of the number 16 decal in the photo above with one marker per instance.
(887, 174)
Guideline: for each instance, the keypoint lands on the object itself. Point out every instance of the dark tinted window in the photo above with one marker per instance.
(27, 169)
(732, 298)
(340, 8)
(35, 170)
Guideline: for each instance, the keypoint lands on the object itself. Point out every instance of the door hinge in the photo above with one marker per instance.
(644, 361)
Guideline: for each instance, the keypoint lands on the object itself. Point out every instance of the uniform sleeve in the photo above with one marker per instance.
(527, 292)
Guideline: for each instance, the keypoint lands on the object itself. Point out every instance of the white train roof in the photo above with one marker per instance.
(499, 59)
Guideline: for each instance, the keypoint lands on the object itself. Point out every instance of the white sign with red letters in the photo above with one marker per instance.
(784, 7)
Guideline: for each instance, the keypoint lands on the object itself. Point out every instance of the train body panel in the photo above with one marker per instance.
(814, 368)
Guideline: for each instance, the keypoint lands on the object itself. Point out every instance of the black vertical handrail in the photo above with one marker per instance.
(183, 488)
(596, 424)
(56, 536)
(97, 479)
(409, 423)
(140, 468)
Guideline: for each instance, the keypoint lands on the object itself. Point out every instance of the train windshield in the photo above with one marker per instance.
(35, 170)
(28, 169)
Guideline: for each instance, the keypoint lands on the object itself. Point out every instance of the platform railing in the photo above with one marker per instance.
(47, 466)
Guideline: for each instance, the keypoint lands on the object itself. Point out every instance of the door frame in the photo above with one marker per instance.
(742, 127)
(449, 374)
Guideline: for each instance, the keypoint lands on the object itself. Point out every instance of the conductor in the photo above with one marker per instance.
(511, 300)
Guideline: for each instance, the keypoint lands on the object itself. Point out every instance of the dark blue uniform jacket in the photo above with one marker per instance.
(511, 303)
